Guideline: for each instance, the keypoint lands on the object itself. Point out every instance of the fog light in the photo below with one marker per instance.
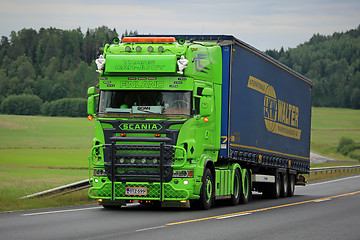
(186, 182)
(96, 180)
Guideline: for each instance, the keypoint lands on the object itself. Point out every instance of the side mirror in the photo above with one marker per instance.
(205, 106)
(91, 105)
(91, 91)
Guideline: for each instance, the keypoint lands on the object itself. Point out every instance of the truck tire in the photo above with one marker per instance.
(235, 198)
(207, 190)
(272, 190)
(291, 185)
(245, 193)
(284, 185)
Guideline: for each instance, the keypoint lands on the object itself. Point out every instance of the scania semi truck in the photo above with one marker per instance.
(187, 120)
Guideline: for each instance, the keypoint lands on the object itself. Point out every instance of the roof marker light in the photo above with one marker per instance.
(148, 40)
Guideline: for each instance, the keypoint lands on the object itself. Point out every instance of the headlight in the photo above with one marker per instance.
(183, 174)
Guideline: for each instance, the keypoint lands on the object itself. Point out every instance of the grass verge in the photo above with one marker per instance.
(11, 202)
(19, 182)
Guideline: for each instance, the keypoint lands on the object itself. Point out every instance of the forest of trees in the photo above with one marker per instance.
(48, 71)
(332, 63)
(49, 65)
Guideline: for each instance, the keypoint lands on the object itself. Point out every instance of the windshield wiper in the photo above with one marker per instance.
(147, 111)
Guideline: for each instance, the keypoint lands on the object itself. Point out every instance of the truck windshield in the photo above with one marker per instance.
(140, 102)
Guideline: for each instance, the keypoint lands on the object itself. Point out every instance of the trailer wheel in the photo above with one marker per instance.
(272, 190)
(207, 190)
(291, 185)
(235, 198)
(284, 185)
(245, 194)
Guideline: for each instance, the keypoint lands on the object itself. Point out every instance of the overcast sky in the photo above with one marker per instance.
(263, 24)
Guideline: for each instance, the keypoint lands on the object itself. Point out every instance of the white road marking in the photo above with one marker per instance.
(151, 228)
(322, 200)
(236, 215)
(74, 210)
(61, 211)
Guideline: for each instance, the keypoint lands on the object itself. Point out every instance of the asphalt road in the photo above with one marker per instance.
(324, 210)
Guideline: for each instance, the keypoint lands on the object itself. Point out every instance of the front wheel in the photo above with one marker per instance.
(207, 190)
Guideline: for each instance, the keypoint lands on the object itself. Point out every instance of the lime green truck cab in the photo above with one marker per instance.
(161, 134)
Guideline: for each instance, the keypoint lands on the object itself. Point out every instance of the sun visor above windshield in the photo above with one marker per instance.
(140, 63)
(146, 83)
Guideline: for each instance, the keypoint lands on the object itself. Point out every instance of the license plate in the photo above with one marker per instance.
(136, 191)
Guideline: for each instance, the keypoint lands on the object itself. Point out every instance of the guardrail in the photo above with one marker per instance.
(72, 187)
(335, 169)
(76, 186)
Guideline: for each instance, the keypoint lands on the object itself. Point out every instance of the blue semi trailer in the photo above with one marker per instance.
(266, 119)
(190, 119)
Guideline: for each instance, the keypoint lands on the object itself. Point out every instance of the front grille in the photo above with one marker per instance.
(139, 163)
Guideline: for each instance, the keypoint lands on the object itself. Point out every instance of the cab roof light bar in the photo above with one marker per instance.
(148, 40)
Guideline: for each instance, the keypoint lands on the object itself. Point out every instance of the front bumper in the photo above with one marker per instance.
(175, 190)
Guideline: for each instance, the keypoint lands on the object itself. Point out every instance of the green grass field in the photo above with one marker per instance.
(45, 132)
(328, 125)
(38, 153)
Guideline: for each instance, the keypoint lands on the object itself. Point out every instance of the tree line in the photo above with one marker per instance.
(332, 63)
(40, 68)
